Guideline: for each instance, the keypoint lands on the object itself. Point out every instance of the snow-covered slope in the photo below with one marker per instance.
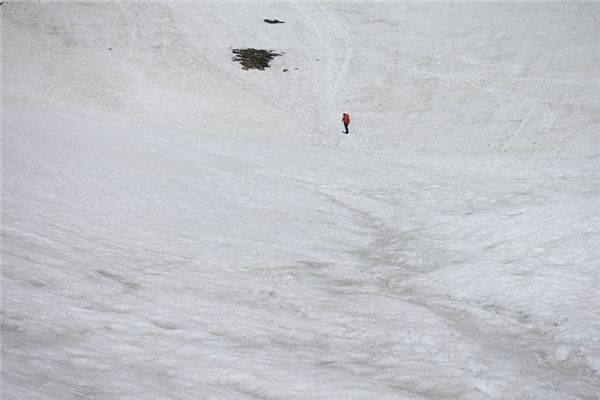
(448, 77)
(177, 227)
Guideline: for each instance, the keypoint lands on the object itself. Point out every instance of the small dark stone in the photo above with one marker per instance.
(285, 70)
(110, 48)
(273, 21)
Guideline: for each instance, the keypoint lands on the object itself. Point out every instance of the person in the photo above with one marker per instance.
(346, 121)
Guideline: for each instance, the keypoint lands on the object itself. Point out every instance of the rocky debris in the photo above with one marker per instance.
(273, 21)
(254, 58)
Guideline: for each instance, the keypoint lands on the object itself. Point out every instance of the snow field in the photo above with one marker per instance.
(176, 227)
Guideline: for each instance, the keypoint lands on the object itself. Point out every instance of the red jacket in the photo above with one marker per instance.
(346, 119)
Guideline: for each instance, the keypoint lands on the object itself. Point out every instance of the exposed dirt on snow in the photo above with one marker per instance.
(254, 58)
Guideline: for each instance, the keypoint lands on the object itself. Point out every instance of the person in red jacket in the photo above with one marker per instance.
(346, 121)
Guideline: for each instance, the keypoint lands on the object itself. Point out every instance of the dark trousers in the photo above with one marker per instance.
(346, 127)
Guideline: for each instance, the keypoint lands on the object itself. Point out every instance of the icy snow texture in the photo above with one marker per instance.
(177, 227)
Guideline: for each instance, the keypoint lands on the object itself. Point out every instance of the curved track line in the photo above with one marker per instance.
(330, 87)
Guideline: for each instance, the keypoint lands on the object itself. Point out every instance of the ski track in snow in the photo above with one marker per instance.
(176, 227)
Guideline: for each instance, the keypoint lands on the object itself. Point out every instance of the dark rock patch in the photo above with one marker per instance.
(254, 58)
(273, 21)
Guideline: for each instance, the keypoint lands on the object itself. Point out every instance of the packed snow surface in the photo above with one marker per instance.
(176, 227)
